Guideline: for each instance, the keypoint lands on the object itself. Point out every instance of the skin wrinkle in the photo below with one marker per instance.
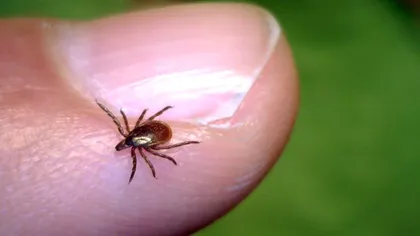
(52, 196)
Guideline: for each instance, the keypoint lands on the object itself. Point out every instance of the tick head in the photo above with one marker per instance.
(134, 141)
(125, 143)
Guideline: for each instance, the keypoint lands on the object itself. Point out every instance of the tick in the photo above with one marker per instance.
(148, 135)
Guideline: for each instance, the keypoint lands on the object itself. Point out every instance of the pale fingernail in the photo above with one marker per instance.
(201, 59)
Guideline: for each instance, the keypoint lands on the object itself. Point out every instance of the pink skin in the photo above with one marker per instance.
(59, 171)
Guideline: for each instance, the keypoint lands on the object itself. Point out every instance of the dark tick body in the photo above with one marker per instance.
(148, 135)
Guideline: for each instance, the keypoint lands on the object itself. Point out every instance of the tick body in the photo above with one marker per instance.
(148, 135)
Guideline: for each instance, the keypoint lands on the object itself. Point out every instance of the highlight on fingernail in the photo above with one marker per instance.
(201, 59)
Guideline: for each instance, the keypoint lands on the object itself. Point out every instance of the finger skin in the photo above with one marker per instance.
(60, 173)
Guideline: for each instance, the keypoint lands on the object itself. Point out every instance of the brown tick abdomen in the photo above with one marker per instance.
(159, 131)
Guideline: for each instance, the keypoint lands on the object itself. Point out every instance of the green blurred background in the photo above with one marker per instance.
(352, 166)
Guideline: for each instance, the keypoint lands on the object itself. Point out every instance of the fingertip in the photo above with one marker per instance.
(234, 81)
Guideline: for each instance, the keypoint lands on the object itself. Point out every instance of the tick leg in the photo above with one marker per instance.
(141, 118)
(148, 162)
(125, 121)
(159, 113)
(116, 121)
(161, 155)
(133, 171)
(174, 145)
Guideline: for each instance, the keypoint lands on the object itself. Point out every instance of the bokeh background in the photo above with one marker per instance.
(353, 164)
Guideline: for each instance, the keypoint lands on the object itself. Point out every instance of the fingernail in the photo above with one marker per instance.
(201, 59)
